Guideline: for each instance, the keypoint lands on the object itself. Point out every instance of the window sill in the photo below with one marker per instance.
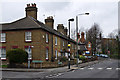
(47, 59)
(55, 58)
(3, 42)
(3, 59)
(47, 42)
(28, 41)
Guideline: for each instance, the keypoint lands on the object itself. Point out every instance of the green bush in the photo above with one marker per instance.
(82, 57)
(17, 56)
(63, 59)
(76, 56)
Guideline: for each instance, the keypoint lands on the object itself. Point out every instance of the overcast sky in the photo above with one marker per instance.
(102, 12)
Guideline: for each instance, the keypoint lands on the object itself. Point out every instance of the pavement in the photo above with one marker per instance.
(59, 69)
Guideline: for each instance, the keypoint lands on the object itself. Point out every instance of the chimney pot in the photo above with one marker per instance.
(31, 10)
(28, 5)
(50, 22)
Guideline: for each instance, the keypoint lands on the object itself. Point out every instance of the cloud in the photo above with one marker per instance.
(102, 12)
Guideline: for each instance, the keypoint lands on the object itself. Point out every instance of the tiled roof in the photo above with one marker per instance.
(30, 23)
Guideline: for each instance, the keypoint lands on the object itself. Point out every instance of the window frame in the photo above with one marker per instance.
(63, 43)
(2, 38)
(47, 38)
(1, 53)
(47, 54)
(55, 40)
(28, 34)
(89, 45)
(56, 54)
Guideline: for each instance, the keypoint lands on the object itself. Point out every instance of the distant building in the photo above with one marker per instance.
(85, 47)
(108, 44)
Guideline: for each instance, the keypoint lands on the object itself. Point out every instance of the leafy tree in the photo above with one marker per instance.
(17, 56)
(94, 34)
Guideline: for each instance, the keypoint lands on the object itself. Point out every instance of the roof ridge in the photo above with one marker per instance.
(34, 20)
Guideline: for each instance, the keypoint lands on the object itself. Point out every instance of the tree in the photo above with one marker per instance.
(114, 45)
(17, 56)
(94, 35)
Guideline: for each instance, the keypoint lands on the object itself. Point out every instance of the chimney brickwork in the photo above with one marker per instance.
(31, 10)
(60, 28)
(65, 31)
(49, 22)
(82, 40)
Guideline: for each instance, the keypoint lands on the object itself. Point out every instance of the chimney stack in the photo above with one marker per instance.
(31, 10)
(65, 31)
(49, 22)
(82, 37)
(60, 28)
(78, 35)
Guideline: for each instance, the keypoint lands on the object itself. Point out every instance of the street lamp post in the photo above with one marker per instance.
(69, 43)
(77, 32)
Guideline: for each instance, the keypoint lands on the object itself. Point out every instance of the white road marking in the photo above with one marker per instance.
(50, 75)
(54, 75)
(117, 68)
(60, 73)
(109, 68)
(91, 68)
(82, 68)
(73, 71)
(100, 68)
(46, 76)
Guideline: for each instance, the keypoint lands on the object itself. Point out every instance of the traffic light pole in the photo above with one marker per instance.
(69, 48)
(69, 43)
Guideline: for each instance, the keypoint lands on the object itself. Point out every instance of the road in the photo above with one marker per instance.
(104, 69)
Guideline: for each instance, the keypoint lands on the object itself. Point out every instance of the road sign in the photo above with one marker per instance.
(87, 52)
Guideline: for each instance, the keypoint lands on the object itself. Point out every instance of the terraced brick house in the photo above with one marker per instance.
(41, 41)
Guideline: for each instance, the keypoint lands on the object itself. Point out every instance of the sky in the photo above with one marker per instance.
(102, 12)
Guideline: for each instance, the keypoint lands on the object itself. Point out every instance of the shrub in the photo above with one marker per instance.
(76, 56)
(63, 59)
(17, 56)
(82, 57)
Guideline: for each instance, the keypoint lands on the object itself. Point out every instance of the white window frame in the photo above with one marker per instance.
(3, 51)
(28, 36)
(47, 38)
(63, 43)
(3, 37)
(55, 40)
(89, 45)
(55, 54)
(29, 51)
(47, 54)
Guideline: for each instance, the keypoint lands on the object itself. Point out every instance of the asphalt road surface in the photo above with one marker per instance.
(104, 69)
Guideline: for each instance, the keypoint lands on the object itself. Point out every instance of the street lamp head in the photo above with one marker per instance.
(86, 13)
(71, 19)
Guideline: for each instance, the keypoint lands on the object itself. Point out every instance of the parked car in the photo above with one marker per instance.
(97, 55)
(105, 56)
(102, 55)
(89, 57)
